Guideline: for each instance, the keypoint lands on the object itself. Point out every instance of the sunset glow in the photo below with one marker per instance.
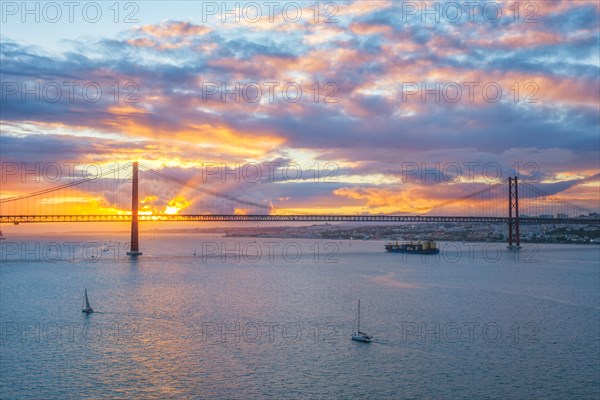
(381, 92)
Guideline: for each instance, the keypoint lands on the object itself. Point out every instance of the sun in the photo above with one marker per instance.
(175, 205)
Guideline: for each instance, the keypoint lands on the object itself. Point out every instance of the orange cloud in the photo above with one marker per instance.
(419, 200)
(361, 28)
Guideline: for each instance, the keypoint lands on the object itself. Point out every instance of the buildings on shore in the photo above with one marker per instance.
(532, 233)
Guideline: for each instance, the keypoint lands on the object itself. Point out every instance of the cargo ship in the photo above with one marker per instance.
(425, 247)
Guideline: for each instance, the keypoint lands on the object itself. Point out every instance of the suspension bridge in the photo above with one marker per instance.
(135, 193)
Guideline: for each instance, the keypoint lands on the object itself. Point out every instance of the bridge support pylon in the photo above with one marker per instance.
(135, 246)
(514, 236)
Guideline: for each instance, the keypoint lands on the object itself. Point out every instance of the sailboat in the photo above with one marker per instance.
(358, 335)
(86, 308)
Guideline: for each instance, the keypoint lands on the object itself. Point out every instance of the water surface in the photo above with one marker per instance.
(271, 318)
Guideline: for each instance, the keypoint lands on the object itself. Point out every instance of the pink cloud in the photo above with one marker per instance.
(174, 28)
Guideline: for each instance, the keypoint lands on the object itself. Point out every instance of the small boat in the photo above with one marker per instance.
(2, 236)
(426, 247)
(86, 308)
(358, 335)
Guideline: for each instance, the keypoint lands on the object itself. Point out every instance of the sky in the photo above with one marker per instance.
(313, 107)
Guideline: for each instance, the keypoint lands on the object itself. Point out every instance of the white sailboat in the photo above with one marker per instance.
(358, 335)
(86, 308)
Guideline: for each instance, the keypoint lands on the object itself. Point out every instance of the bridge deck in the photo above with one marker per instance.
(17, 219)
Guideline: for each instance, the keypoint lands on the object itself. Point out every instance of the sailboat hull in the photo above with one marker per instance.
(361, 338)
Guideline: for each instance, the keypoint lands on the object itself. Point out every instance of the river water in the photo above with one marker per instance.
(211, 317)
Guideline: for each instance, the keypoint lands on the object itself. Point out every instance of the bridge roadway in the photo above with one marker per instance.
(17, 219)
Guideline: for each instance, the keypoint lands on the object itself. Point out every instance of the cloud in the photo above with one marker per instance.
(175, 29)
(191, 89)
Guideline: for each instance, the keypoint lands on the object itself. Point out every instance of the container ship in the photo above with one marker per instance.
(426, 247)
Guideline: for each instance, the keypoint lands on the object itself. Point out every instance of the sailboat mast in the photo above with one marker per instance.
(358, 325)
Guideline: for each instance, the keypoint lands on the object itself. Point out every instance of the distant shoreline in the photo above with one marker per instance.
(455, 232)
